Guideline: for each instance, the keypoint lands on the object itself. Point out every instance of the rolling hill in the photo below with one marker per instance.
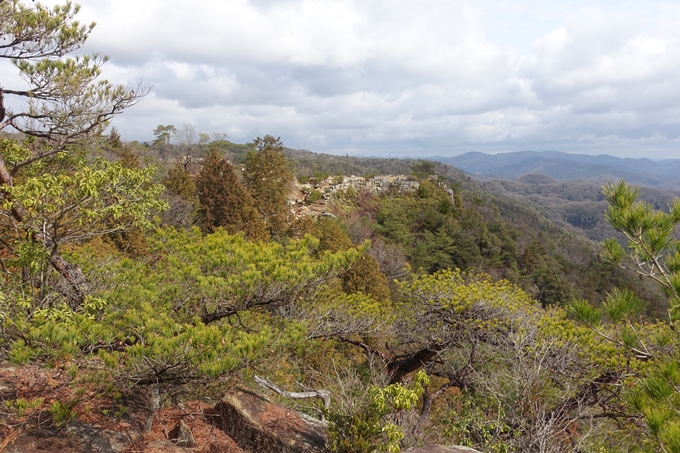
(663, 174)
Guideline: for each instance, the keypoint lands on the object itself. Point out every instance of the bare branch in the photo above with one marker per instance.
(325, 395)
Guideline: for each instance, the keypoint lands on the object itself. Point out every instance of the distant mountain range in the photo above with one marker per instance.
(563, 166)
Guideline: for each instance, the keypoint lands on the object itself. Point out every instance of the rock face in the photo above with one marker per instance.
(77, 437)
(260, 426)
(303, 206)
(440, 449)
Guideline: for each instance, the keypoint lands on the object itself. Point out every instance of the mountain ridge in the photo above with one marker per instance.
(564, 166)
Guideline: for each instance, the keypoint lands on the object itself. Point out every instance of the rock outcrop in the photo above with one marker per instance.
(303, 205)
(243, 422)
(259, 425)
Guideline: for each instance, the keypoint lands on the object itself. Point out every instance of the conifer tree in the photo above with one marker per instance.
(652, 250)
(224, 202)
(364, 276)
(268, 180)
(180, 191)
(128, 158)
(178, 182)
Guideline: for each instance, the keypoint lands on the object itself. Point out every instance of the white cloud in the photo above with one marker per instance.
(400, 76)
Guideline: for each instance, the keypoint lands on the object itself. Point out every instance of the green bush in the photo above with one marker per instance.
(315, 195)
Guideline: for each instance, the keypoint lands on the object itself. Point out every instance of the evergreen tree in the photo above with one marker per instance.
(114, 140)
(331, 236)
(178, 182)
(268, 180)
(180, 191)
(163, 134)
(364, 276)
(652, 250)
(224, 202)
(128, 158)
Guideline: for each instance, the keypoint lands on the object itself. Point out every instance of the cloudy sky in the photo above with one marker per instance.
(403, 77)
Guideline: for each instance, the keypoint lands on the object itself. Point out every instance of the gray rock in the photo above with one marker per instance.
(76, 438)
(79, 437)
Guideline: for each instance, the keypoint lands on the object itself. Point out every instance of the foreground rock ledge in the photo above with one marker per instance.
(243, 422)
(260, 426)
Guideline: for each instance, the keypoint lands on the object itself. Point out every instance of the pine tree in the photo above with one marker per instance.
(224, 202)
(62, 102)
(180, 191)
(268, 180)
(179, 182)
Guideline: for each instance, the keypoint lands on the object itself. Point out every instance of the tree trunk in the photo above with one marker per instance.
(73, 275)
(427, 405)
(2, 103)
(399, 368)
(78, 287)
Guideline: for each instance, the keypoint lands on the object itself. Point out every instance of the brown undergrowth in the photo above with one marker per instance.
(37, 398)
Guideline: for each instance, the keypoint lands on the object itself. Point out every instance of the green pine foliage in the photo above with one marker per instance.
(206, 308)
(440, 233)
(364, 276)
(652, 250)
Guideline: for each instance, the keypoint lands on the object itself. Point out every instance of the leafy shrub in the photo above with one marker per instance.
(315, 195)
(370, 429)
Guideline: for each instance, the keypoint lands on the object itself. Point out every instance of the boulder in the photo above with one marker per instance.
(182, 435)
(258, 425)
(76, 438)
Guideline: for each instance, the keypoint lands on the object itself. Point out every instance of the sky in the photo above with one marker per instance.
(401, 77)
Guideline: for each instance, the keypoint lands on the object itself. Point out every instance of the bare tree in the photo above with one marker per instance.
(187, 144)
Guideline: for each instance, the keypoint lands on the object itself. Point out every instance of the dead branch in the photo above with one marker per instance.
(325, 395)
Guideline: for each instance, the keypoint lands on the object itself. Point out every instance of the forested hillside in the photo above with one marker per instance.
(444, 314)
(577, 205)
